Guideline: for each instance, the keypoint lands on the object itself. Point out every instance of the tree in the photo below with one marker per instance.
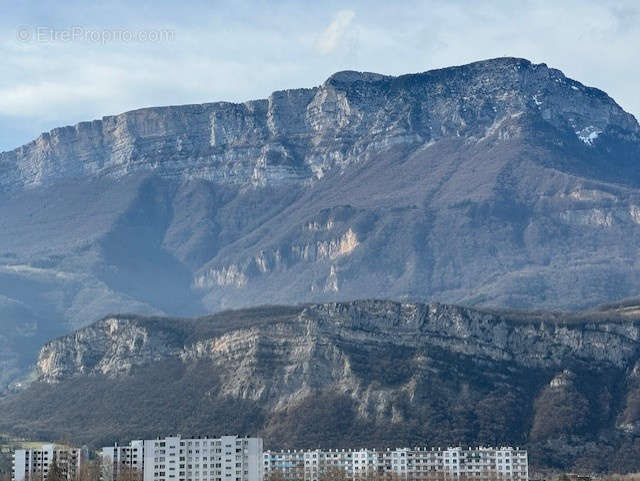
(90, 471)
(55, 473)
(274, 475)
(5, 466)
(106, 469)
(334, 474)
(127, 473)
(34, 476)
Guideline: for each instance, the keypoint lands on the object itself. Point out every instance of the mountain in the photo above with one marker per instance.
(500, 183)
(375, 373)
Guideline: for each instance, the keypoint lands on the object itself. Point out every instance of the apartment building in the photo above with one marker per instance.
(35, 464)
(429, 464)
(115, 459)
(173, 458)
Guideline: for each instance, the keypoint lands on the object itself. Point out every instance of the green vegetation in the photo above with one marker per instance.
(5, 466)
(407, 394)
(9, 443)
(461, 403)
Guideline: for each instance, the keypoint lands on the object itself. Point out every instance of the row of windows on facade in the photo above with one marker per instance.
(205, 442)
(429, 475)
(196, 473)
(45, 465)
(45, 458)
(190, 466)
(400, 467)
(190, 451)
(515, 462)
(434, 455)
(389, 466)
(172, 476)
(229, 457)
(432, 474)
(439, 462)
(507, 475)
(205, 476)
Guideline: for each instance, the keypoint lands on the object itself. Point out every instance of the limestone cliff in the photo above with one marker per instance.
(115, 344)
(500, 183)
(362, 372)
(298, 135)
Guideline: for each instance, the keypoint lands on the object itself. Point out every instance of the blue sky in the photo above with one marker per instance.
(64, 62)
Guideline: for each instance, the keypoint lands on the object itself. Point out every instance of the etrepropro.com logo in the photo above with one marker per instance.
(76, 33)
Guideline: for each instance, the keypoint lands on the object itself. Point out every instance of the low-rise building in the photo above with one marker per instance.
(432, 464)
(35, 464)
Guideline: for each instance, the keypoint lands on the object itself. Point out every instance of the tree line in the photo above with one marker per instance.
(93, 470)
(340, 474)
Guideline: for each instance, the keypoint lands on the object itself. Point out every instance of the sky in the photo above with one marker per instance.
(66, 62)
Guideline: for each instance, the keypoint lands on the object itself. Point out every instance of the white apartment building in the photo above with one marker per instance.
(433, 464)
(114, 458)
(34, 464)
(173, 458)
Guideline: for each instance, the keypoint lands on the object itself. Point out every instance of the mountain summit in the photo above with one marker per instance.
(498, 183)
(298, 135)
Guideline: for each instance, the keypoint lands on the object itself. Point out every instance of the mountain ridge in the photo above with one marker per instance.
(616, 321)
(496, 184)
(136, 125)
(347, 373)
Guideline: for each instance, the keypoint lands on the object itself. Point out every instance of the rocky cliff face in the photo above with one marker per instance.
(373, 372)
(114, 345)
(298, 135)
(500, 183)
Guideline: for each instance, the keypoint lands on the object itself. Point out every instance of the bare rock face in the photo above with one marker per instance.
(500, 183)
(113, 348)
(298, 135)
(114, 345)
(374, 372)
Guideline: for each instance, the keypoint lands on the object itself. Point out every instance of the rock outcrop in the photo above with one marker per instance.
(362, 372)
(297, 135)
(114, 345)
(500, 183)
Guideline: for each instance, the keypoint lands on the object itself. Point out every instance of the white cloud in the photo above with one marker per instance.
(331, 37)
(244, 50)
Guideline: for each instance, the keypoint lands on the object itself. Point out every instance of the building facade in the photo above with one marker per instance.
(173, 458)
(115, 459)
(429, 464)
(34, 464)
